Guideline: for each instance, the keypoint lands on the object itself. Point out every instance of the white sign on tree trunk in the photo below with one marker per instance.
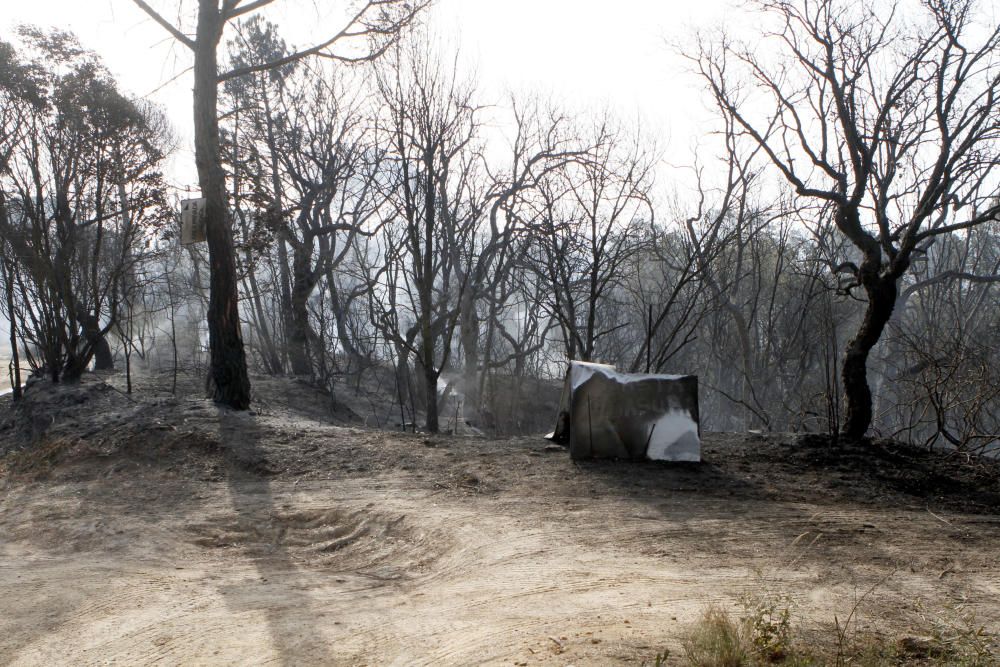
(192, 221)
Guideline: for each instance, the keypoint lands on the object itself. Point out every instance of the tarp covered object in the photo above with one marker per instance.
(638, 416)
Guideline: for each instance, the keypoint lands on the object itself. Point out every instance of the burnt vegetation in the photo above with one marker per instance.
(313, 436)
(376, 225)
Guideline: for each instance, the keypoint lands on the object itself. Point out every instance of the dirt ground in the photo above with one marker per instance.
(160, 530)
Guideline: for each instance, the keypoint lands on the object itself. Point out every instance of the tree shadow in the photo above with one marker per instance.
(656, 480)
(698, 512)
(280, 588)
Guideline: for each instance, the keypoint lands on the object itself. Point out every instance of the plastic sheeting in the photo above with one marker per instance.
(604, 413)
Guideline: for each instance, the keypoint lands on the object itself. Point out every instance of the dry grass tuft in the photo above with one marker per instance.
(716, 640)
(764, 635)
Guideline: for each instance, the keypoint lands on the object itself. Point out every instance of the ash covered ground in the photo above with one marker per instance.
(151, 527)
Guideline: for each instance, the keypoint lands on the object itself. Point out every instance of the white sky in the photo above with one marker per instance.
(586, 53)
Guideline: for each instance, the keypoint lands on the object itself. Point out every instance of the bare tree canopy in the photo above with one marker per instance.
(887, 125)
(376, 217)
(81, 195)
(377, 23)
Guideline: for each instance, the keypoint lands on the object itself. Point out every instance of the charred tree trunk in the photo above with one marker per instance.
(272, 361)
(278, 221)
(268, 352)
(229, 382)
(427, 313)
(285, 302)
(340, 310)
(591, 330)
(15, 362)
(882, 293)
(298, 315)
(97, 342)
(430, 395)
(470, 347)
(104, 360)
(403, 386)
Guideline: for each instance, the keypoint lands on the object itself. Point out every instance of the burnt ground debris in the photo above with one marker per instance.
(472, 549)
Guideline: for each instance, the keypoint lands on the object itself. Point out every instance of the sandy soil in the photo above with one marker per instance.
(162, 530)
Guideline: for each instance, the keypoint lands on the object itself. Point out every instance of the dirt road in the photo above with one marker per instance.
(277, 539)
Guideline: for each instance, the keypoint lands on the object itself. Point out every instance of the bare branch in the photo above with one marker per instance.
(355, 28)
(167, 25)
(235, 10)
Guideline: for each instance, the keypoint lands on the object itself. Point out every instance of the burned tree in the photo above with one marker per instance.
(304, 169)
(79, 189)
(889, 128)
(498, 324)
(430, 124)
(595, 212)
(366, 34)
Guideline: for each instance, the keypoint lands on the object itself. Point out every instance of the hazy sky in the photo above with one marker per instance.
(588, 53)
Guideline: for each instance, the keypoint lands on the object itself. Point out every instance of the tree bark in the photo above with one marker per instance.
(104, 360)
(425, 292)
(470, 347)
(229, 382)
(431, 398)
(258, 319)
(882, 293)
(277, 211)
(15, 361)
(403, 386)
(340, 311)
(272, 360)
(299, 334)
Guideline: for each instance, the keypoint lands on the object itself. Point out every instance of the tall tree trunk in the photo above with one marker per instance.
(339, 309)
(15, 361)
(470, 347)
(882, 292)
(104, 360)
(426, 291)
(431, 398)
(258, 320)
(298, 315)
(126, 223)
(277, 213)
(228, 379)
(285, 302)
(269, 353)
(127, 350)
(590, 339)
(403, 386)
